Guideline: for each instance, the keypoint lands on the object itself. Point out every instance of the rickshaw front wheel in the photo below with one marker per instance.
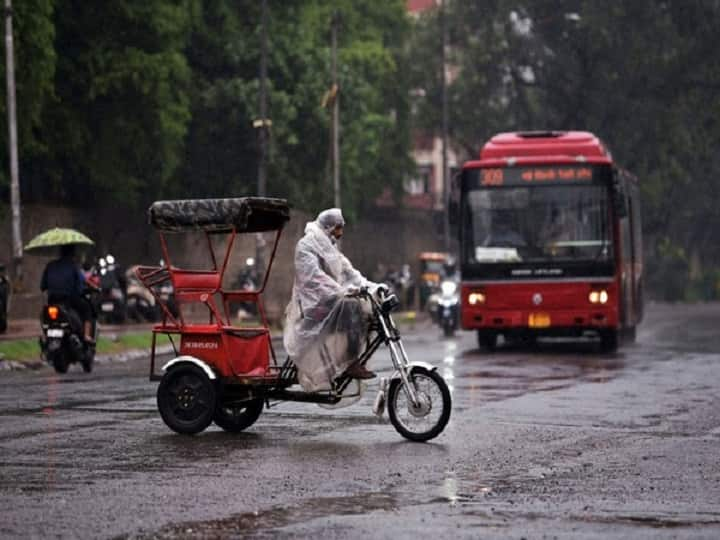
(236, 417)
(186, 399)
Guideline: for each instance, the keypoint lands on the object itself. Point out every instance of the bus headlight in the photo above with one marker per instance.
(598, 297)
(475, 298)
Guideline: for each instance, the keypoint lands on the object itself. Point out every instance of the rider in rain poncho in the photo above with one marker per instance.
(324, 329)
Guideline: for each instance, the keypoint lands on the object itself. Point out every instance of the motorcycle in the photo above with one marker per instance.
(448, 304)
(4, 298)
(61, 340)
(112, 299)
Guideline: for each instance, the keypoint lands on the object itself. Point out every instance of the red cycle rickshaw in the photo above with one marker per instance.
(226, 374)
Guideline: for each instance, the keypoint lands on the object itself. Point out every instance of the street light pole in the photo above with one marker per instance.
(445, 191)
(12, 142)
(263, 125)
(335, 113)
(262, 133)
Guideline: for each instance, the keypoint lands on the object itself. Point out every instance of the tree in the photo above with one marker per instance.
(223, 53)
(642, 75)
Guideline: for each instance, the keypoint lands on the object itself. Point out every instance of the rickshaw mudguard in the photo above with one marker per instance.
(192, 360)
(412, 366)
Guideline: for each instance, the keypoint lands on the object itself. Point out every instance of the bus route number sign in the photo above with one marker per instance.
(524, 175)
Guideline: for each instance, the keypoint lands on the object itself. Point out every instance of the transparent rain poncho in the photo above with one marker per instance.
(325, 330)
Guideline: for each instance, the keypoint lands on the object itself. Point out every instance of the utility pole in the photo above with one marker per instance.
(335, 22)
(445, 190)
(12, 142)
(262, 125)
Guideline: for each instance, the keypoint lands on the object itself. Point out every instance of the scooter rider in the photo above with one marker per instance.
(324, 328)
(64, 282)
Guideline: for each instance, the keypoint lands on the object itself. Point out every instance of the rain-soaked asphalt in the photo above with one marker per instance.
(557, 442)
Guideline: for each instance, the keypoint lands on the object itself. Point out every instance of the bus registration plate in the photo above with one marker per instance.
(539, 320)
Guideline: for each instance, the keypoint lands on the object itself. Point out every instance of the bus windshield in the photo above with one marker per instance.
(538, 223)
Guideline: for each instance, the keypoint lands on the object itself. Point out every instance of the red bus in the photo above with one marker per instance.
(550, 240)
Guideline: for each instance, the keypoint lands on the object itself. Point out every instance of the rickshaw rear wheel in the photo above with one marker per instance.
(186, 399)
(236, 417)
(426, 420)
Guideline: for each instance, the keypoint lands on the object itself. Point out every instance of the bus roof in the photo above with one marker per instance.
(541, 147)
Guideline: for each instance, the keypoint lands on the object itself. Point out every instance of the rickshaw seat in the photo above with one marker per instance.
(195, 280)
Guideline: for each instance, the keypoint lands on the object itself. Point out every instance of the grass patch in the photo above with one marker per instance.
(20, 349)
(126, 342)
(29, 349)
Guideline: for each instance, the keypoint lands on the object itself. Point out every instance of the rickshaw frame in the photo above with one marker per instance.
(222, 373)
(274, 381)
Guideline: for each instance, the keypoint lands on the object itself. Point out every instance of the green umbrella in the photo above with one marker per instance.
(47, 243)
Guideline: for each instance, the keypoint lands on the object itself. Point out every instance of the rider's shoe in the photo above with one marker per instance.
(358, 371)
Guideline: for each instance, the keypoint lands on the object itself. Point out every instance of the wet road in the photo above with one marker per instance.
(560, 442)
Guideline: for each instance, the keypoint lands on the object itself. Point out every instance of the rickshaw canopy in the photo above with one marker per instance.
(244, 214)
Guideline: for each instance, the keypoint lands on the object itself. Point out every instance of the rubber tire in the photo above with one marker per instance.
(179, 378)
(448, 330)
(242, 417)
(59, 361)
(396, 386)
(609, 341)
(487, 341)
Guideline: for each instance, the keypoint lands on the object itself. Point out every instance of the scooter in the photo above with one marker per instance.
(448, 304)
(141, 305)
(61, 340)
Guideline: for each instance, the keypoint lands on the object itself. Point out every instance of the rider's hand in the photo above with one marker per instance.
(352, 291)
(382, 289)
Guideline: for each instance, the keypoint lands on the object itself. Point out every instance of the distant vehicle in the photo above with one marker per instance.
(550, 240)
(112, 299)
(448, 307)
(431, 271)
(141, 304)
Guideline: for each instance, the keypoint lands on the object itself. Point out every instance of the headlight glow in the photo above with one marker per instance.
(598, 297)
(475, 298)
(448, 287)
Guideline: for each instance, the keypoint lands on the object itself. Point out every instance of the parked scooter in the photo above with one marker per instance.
(4, 298)
(141, 304)
(448, 307)
(61, 340)
(165, 293)
(112, 299)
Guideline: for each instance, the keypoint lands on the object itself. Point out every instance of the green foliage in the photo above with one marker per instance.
(642, 75)
(224, 54)
(128, 100)
(33, 38)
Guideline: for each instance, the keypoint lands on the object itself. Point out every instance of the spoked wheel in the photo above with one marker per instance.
(186, 399)
(236, 417)
(426, 419)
